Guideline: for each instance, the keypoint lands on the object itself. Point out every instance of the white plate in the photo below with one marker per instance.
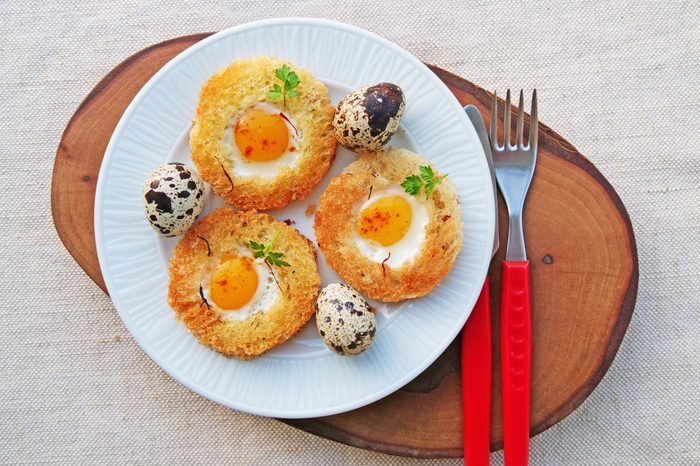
(300, 378)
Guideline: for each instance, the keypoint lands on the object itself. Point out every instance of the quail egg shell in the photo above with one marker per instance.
(366, 119)
(173, 197)
(344, 319)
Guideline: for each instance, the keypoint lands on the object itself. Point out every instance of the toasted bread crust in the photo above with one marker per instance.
(335, 227)
(190, 267)
(230, 91)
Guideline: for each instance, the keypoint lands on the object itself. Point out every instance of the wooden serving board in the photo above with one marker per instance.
(580, 242)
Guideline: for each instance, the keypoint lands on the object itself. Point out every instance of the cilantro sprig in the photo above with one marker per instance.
(289, 79)
(426, 181)
(265, 251)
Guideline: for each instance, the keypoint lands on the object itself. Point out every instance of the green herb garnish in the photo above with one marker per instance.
(412, 184)
(289, 79)
(425, 181)
(265, 251)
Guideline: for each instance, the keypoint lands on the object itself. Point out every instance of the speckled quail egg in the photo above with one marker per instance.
(366, 119)
(344, 319)
(173, 197)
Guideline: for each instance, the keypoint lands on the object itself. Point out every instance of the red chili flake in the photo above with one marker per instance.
(248, 150)
(446, 218)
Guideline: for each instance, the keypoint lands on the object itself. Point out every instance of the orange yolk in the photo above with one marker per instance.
(234, 283)
(386, 220)
(261, 136)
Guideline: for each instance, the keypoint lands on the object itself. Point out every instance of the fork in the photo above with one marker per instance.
(515, 165)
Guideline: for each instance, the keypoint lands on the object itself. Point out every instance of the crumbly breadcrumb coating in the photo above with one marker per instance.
(194, 261)
(335, 227)
(232, 90)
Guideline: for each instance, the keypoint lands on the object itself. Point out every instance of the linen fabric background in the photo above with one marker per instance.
(618, 79)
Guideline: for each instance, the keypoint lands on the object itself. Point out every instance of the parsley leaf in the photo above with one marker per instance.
(290, 80)
(274, 258)
(265, 251)
(258, 248)
(275, 92)
(426, 173)
(282, 72)
(430, 186)
(412, 185)
(425, 181)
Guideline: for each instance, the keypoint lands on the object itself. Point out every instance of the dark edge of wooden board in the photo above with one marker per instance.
(96, 276)
(554, 143)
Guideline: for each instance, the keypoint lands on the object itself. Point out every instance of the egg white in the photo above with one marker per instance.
(243, 167)
(406, 248)
(264, 298)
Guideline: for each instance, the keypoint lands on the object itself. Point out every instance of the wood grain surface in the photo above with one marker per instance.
(580, 242)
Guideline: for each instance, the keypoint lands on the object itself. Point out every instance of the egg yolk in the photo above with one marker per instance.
(234, 283)
(385, 220)
(261, 136)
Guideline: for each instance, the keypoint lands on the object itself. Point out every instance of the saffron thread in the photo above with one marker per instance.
(208, 247)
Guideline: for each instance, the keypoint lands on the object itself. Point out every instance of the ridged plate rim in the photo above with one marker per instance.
(479, 227)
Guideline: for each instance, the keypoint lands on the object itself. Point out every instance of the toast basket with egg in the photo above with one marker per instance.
(232, 301)
(386, 243)
(258, 152)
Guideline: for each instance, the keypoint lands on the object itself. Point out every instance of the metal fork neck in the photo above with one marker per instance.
(516, 239)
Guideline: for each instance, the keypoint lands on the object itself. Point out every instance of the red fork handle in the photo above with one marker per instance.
(516, 354)
(476, 381)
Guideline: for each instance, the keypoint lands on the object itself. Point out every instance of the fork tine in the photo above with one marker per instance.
(519, 124)
(532, 143)
(493, 122)
(506, 122)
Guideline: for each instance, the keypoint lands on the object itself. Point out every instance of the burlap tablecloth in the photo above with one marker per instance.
(619, 79)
